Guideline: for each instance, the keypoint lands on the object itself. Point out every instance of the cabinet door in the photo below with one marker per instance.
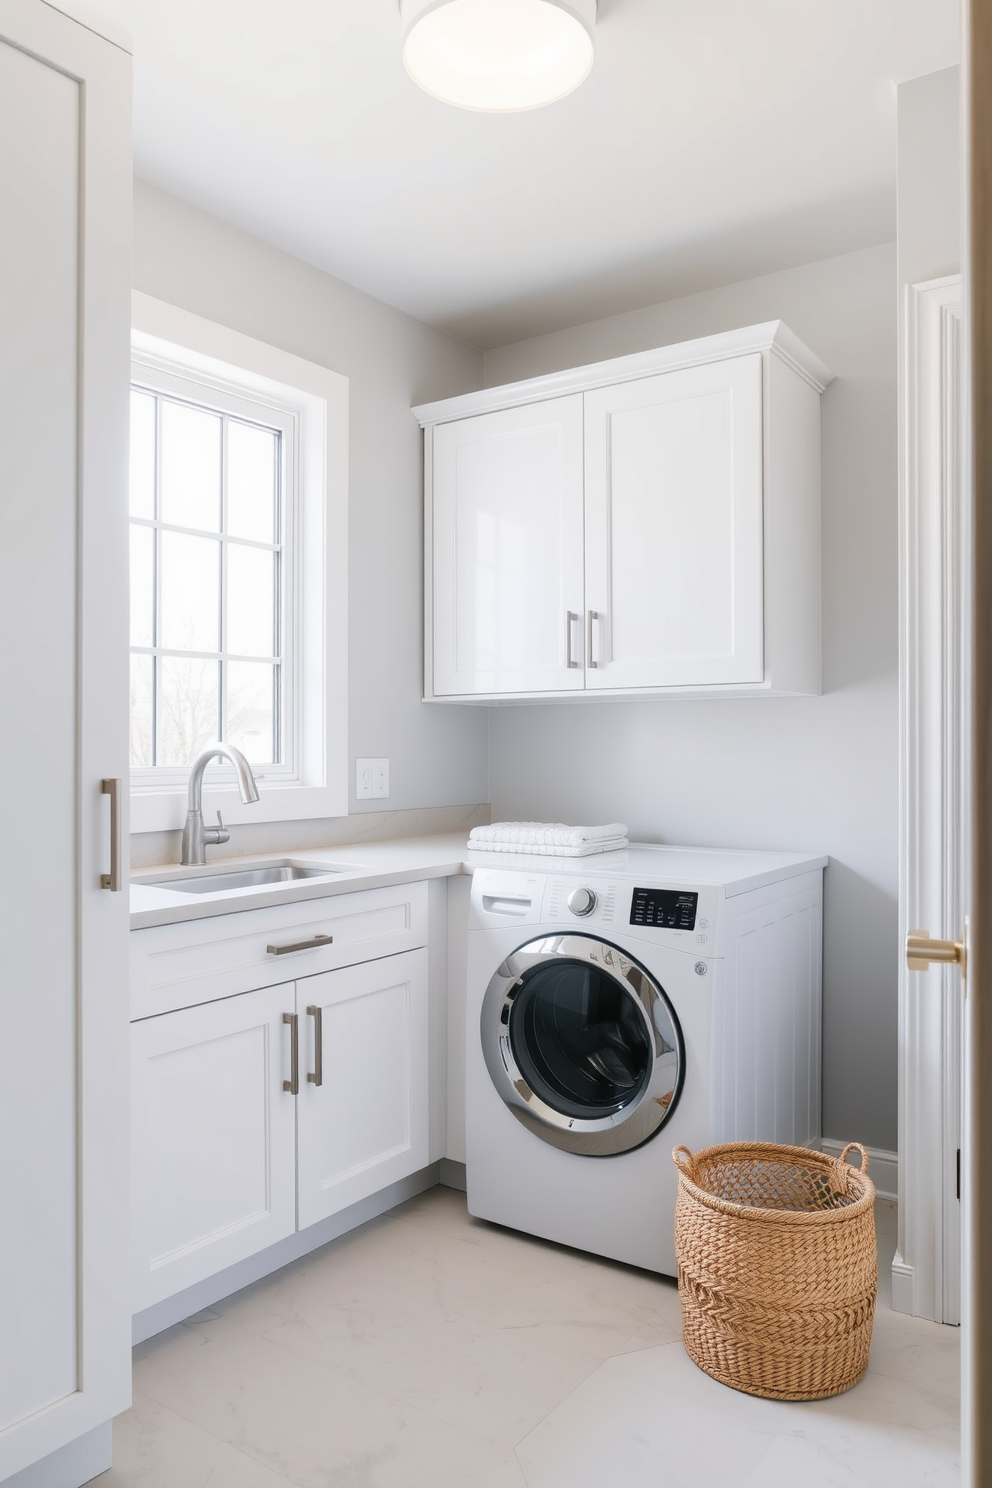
(365, 1124)
(674, 528)
(65, 1365)
(507, 523)
(213, 1139)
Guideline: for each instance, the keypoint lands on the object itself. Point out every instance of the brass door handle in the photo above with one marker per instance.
(921, 950)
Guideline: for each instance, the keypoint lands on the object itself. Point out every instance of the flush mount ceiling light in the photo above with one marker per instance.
(498, 56)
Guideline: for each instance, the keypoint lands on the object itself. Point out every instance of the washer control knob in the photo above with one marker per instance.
(582, 901)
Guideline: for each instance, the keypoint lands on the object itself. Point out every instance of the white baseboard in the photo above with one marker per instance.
(203, 1294)
(902, 1285)
(78, 1462)
(883, 1166)
(453, 1173)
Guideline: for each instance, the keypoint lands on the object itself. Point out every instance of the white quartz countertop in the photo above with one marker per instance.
(367, 865)
(373, 865)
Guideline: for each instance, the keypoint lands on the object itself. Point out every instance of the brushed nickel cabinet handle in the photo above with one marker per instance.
(570, 620)
(592, 615)
(316, 1075)
(300, 945)
(292, 1085)
(114, 880)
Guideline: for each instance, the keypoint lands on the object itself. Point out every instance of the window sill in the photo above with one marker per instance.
(165, 810)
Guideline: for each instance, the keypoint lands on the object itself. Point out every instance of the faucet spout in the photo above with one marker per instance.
(195, 838)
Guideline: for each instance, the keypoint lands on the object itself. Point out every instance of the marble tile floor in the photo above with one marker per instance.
(428, 1348)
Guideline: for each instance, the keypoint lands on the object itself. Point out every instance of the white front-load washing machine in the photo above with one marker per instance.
(621, 1005)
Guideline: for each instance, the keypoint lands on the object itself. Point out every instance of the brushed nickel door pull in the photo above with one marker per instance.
(921, 951)
(592, 615)
(292, 1085)
(570, 619)
(316, 1075)
(300, 945)
(114, 880)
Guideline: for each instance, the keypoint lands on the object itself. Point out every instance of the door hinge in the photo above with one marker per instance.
(959, 1173)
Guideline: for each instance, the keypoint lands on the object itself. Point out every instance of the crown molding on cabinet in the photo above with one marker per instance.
(772, 337)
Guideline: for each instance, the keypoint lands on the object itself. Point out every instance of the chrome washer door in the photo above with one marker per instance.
(582, 1045)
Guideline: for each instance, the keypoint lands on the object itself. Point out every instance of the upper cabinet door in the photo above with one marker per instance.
(65, 269)
(674, 529)
(507, 491)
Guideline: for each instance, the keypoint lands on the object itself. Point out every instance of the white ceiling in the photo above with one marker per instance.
(714, 139)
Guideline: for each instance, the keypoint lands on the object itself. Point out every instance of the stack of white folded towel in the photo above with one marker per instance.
(548, 839)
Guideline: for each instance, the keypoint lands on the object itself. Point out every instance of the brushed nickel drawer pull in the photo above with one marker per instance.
(316, 1075)
(300, 945)
(292, 1085)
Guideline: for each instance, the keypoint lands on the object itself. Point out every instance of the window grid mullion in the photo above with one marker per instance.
(225, 656)
(222, 720)
(245, 542)
(277, 592)
(157, 583)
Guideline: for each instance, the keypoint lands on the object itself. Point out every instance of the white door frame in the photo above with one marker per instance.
(926, 1271)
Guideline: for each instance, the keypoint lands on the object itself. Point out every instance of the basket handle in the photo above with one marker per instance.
(684, 1161)
(864, 1155)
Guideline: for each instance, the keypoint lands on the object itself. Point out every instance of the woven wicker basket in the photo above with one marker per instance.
(777, 1268)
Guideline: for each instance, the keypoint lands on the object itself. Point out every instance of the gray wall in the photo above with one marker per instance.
(437, 755)
(814, 773)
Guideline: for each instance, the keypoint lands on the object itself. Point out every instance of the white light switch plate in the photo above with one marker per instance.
(371, 778)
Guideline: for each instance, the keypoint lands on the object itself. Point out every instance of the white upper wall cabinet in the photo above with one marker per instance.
(673, 528)
(644, 526)
(507, 500)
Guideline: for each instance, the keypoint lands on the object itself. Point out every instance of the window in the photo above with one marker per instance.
(238, 569)
(212, 591)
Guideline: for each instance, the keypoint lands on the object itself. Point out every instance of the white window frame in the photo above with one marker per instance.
(173, 346)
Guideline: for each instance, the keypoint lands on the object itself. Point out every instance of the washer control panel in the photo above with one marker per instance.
(681, 918)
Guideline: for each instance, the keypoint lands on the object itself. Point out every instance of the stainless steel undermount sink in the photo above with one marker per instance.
(244, 878)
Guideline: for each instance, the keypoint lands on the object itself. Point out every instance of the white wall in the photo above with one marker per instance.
(437, 755)
(814, 773)
(928, 176)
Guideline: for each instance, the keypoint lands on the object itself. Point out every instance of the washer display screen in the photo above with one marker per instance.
(666, 909)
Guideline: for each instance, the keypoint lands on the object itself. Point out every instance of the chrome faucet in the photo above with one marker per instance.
(195, 837)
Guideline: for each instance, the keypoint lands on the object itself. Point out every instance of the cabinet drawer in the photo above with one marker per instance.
(176, 966)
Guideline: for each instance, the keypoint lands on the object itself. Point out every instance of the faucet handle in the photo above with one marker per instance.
(213, 836)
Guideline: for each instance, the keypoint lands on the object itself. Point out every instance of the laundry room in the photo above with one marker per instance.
(516, 779)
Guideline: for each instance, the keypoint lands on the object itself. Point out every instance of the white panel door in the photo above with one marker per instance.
(213, 1139)
(64, 362)
(674, 528)
(508, 551)
(365, 1124)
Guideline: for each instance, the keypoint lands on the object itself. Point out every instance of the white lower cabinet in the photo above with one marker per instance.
(245, 1128)
(213, 1139)
(362, 1114)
